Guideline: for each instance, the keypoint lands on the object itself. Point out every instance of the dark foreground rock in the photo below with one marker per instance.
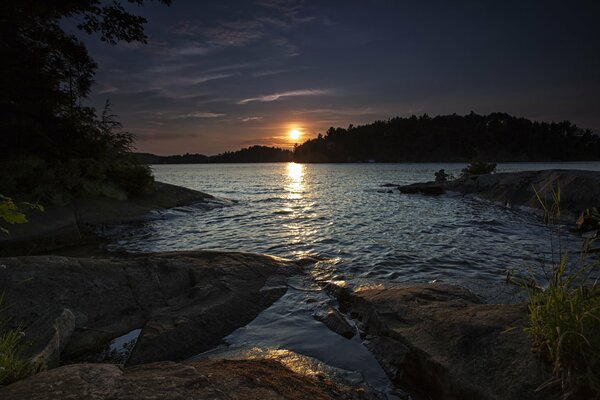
(183, 302)
(439, 342)
(56, 226)
(208, 379)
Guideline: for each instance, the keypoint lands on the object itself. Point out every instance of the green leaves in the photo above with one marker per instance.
(10, 212)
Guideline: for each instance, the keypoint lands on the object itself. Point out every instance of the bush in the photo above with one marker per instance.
(135, 179)
(99, 158)
(478, 168)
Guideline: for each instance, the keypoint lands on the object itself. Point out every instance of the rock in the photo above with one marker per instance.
(427, 188)
(207, 379)
(439, 342)
(59, 226)
(47, 337)
(390, 185)
(336, 322)
(580, 190)
(184, 302)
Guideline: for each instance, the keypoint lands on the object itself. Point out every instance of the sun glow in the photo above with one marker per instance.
(294, 134)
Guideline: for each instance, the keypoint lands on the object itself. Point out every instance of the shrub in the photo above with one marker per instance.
(134, 178)
(478, 168)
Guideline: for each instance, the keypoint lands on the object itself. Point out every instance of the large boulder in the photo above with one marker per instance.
(440, 342)
(207, 379)
(183, 302)
(59, 226)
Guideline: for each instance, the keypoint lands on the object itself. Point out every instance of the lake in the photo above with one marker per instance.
(341, 215)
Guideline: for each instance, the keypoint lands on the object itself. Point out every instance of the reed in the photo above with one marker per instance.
(565, 317)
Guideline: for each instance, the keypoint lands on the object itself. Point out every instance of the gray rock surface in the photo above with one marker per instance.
(48, 336)
(336, 322)
(208, 379)
(427, 188)
(184, 302)
(66, 225)
(439, 342)
(579, 189)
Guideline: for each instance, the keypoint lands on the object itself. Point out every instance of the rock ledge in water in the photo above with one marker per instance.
(60, 226)
(183, 302)
(439, 342)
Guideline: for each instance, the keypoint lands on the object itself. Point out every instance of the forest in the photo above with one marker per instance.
(453, 138)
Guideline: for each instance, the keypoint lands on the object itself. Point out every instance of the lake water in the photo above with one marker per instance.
(340, 215)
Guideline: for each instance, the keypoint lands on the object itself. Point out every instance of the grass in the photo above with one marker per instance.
(565, 319)
(12, 366)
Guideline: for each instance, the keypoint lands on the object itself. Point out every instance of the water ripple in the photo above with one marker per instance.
(337, 212)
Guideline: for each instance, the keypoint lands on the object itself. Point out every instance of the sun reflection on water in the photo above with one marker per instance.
(295, 181)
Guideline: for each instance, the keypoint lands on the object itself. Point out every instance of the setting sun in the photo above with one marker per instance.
(294, 134)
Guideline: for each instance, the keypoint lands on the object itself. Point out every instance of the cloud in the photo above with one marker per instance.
(249, 119)
(206, 78)
(234, 33)
(199, 114)
(291, 93)
(192, 50)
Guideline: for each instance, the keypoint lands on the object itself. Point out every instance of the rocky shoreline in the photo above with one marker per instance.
(579, 190)
(75, 224)
(434, 341)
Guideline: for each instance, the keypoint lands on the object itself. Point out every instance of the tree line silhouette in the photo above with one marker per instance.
(445, 138)
(252, 154)
(448, 138)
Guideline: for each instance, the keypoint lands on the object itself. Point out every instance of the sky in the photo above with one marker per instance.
(220, 75)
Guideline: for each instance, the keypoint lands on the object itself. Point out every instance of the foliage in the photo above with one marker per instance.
(565, 319)
(55, 147)
(12, 366)
(11, 213)
(479, 168)
(452, 138)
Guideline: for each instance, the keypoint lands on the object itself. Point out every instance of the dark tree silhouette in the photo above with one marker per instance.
(493, 137)
(45, 73)
(253, 154)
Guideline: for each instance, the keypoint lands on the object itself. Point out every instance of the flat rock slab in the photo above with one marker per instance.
(427, 188)
(439, 342)
(184, 302)
(59, 226)
(579, 189)
(208, 379)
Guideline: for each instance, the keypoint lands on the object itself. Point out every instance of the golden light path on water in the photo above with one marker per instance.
(295, 180)
(297, 206)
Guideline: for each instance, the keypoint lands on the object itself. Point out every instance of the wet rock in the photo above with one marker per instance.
(336, 322)
(207, 379)
(440, 342)
(580, 190)
(184, 302)
(59, 226)
(390, 185)
(427, 188)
